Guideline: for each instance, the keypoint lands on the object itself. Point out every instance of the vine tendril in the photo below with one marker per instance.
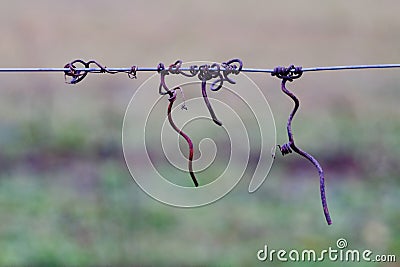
(208, 104)
(204, 73)
(79, 75)
(220, 72)
(289, 74)
(172, 98)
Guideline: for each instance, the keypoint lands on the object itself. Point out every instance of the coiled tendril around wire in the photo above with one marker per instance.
(79, 75)
(289, 74)
(220, 72)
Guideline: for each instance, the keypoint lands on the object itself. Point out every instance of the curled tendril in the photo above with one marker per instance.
(132, 72)
(76, 75)
(204, 73)
(289, 74)
(79, 75)
(175, 68)
(163, 72)
(220, 72)
(233, 66)
(208, 72)
(208, 104)
(172, 98)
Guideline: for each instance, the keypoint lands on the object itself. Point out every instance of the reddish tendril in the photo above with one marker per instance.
(172, 98)
(219, 72)
(289, 74)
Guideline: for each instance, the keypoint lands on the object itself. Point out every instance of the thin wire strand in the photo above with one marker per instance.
(251, 70)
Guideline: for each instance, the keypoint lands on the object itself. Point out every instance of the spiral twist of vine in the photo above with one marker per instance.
(289, 74)
(205, 72)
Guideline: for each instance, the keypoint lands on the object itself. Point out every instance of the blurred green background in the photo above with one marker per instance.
(66, 196)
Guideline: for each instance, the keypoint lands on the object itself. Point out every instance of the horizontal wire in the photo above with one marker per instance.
(251, 70)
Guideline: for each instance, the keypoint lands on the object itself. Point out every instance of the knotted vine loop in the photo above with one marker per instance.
(132, 72)
(163, 88)
(79, 75)
(204, 73)
(76, 75)
(233, 66)
(289, 74)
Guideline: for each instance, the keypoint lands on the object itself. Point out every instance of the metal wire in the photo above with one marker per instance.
(251, 70)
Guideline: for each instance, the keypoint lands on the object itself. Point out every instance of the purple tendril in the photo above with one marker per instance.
(289, 74)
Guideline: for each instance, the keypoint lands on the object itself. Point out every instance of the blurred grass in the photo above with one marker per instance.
(66, 197)
(104, 219)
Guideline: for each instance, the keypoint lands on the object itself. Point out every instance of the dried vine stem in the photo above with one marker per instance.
(208, 104)
(163, 90)
(219, 72)
(208, 72)
(289, 74)
(172, 98)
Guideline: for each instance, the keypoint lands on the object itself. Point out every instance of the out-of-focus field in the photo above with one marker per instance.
(66, 196)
